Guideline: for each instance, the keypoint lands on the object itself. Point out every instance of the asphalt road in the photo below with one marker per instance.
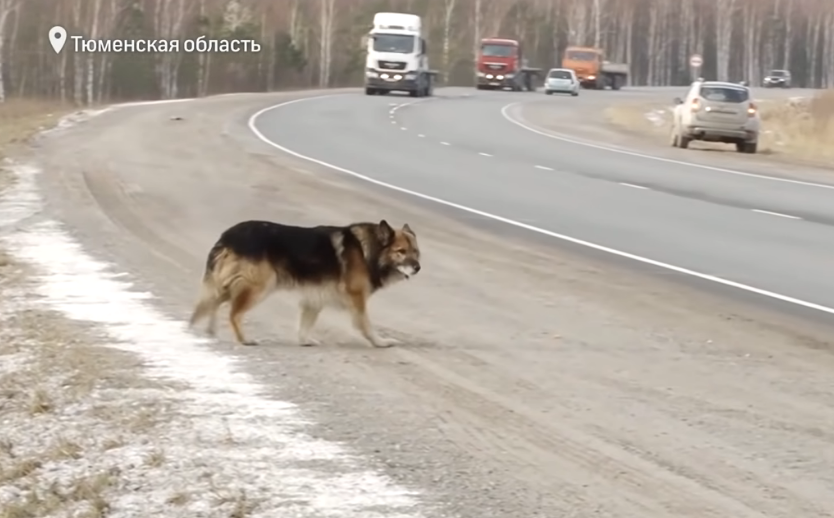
(532, 381)
(768, 233)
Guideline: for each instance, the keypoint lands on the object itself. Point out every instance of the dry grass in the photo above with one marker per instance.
(62, 405)
(20, 119)
(801, 131)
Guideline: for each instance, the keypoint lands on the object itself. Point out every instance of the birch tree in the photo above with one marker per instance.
(7, 7)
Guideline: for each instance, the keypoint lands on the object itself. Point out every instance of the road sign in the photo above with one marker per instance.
(696, 60)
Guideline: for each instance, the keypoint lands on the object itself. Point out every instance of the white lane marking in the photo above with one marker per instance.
(775, 214)
(393, 122)
(545, 168)
(393, 110)
(421, 135)
(445, 144)
(270, 434)
(508, 221)
(506, 115)
(484, 154)
(632, 185)
(403, 128)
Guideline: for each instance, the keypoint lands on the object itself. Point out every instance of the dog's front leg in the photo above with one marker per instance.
(359, 312)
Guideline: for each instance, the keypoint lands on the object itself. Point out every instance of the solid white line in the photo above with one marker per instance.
(544, 168)
(775, 214)
(445, 144)
(505, 114)
(632, 185)
(581, 242)
(484, 154)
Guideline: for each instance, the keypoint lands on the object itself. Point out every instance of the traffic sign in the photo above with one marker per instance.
(696, 60)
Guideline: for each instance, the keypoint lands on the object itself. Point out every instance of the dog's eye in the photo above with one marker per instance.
(399, 251)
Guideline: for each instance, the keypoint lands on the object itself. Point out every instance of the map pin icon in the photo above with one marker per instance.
(57, 37)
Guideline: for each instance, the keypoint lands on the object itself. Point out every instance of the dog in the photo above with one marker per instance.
(328, 265)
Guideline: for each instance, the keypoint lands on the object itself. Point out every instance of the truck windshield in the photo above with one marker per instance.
(582, 55)
(498, 51)
(399, 43)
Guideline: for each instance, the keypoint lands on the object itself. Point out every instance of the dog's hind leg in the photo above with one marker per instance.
(242, 301)
(359, 311)
(310, 312)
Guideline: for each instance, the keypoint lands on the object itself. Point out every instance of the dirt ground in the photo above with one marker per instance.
(532, 381)
(795, 129)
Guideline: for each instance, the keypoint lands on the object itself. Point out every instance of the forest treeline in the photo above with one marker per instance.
(317, 43)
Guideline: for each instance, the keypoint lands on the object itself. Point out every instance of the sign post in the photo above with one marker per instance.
(695, 62)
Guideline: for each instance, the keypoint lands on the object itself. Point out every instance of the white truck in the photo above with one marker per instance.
(397, 58)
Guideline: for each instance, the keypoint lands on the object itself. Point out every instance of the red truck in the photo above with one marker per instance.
(501, 64)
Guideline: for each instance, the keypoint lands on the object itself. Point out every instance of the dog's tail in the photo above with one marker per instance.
(212, 291)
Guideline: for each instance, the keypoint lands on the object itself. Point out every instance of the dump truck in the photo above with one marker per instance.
(593, 70)
(501, 64)
(397, 56)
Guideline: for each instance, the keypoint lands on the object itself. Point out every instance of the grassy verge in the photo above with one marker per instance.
(796, 129)
(20, 119)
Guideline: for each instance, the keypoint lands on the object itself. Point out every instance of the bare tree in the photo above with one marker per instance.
(7, 7)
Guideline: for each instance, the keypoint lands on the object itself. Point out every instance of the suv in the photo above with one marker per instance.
(715, 111)
(780, 78)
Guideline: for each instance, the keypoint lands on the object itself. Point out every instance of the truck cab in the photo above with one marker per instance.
(501, 64)
(397, 57)
(593, 70)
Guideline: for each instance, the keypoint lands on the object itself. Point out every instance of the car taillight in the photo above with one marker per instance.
(751, 110)
(696, 105)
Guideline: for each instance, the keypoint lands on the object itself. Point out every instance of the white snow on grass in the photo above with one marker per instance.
(225, 432)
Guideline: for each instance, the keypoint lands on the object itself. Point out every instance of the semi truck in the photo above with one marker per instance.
(501, 64)
(397, 56)
(593, 70)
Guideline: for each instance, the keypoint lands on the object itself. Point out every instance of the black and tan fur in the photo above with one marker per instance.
(328, 265)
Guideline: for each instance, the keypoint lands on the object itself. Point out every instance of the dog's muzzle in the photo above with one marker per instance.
(408, 270)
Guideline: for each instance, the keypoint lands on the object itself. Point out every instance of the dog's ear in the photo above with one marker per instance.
(386, 233)
(408, 230)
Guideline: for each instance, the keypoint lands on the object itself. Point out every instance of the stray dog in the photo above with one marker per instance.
(328, 265)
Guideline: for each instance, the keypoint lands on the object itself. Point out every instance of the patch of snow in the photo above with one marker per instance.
(269, 457)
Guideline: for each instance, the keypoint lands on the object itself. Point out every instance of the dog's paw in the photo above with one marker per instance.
(308, 342)
(249, 342)
(383, 343)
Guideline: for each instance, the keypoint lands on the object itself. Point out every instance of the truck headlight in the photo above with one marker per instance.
(499, 77)
(397, 77)
(411, 75)
(489, 76)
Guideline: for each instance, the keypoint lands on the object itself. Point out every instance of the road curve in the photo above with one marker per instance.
(770, 234)
(533, 381)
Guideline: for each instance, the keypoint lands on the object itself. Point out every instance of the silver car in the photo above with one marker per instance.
(561, 80)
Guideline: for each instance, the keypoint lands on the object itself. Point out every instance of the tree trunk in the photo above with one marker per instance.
(724, 38)
(448, 13)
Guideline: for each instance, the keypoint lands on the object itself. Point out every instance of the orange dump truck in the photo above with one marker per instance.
(592, 69)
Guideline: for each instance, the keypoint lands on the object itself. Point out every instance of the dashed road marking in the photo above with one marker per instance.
(445, 144)
(484, 154)
(421, 135)
(634, 186)
(544, 168)
(788, 216)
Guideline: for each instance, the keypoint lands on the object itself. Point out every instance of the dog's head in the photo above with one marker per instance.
(400, 253)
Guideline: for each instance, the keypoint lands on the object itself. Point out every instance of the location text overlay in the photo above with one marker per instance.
(58, 38)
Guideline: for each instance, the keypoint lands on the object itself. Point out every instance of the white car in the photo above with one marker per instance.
(716, 111)
(562, 80)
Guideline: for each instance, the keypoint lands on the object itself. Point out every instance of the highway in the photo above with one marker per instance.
(767, 233)
(540, 373)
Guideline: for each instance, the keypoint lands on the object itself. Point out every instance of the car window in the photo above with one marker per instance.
(724, 94)
(778, 73)
(559, 74)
